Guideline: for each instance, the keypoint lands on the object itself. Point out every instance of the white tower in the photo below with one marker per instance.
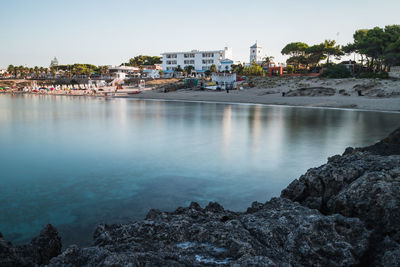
(255, 53)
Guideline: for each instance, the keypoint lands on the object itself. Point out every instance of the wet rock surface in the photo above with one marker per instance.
(39, 252)
(388, 146)
(278, 233)
(343, 213)
(362, 183)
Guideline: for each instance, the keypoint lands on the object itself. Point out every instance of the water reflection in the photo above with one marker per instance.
(75, 161)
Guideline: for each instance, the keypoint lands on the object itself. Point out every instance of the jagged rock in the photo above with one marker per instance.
(41, 249)
(388, 253)
(361, 183)
(388, 146)
(278, 233)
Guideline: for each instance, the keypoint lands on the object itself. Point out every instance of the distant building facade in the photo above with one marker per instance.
(394, 72)
(152, 67)
(226, 65)
(54, 62)
(201, 60)
(121, 72)
(256, 53)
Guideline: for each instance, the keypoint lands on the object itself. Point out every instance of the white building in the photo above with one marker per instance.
(201, 60)
(155, 74)
(394, 72)
(226, 65)
(54, 62)
(256, 53)
(223, 81)
(121, 72)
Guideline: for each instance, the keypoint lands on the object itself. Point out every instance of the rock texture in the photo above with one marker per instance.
(41, 249)
(277, 233)
(343, 213)
(388, 146)
(362, 183)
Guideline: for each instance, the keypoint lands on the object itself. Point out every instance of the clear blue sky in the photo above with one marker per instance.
(110, 32)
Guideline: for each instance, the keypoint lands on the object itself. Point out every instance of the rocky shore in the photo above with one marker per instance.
(343, 213)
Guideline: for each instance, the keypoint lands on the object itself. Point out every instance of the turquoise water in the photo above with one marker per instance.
(75, 161)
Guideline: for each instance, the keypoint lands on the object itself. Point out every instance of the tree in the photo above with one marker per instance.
(11, 69)
(188, 69)
(179, 69)
(213, 68)
(267, 61)
(143, 60)
(392, 54)
(253, 70)
(103, 70)
(331, 49)
(315, 54)
(377, 46)
(294, 49)
(237, 68)
(297, 53)
(36, 69)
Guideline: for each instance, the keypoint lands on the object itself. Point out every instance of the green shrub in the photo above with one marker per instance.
(289, 69)
(336, 72)
(373, 75)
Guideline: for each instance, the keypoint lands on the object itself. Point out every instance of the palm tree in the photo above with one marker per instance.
(41, 69)
(10, 69)
(267, 61)
(36, 69)
(189, 69)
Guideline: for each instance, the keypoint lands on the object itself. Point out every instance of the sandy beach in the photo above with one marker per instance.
(363, 94)
(382, 95)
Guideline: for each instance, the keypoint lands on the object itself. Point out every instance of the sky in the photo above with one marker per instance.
(110, 32)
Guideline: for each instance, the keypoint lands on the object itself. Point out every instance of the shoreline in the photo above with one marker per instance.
(261, 104)
(306, 101)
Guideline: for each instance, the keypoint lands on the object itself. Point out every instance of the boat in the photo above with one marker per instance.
(134, 93)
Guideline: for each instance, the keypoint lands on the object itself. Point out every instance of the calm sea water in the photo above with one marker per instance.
(75, 162)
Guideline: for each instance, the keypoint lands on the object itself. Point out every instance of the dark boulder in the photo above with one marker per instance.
(362, 183)
(387, 146)
(278, 233)
(41, 249)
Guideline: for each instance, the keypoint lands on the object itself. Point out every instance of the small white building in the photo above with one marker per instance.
(201, 60)
(224, 80)
(256, 53)
(148, 73)
(394, 72)
(226, 65)
(121, 72)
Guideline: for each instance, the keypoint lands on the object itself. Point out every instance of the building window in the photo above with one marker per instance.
(208, 61)
(208, 55)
